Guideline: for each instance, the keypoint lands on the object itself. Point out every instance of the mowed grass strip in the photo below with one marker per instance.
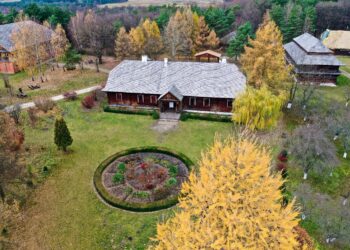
(65, 213)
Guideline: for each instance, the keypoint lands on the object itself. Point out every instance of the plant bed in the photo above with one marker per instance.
(142, 179)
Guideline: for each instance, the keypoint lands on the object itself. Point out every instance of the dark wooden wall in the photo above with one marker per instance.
(216, 104)
(131, 99)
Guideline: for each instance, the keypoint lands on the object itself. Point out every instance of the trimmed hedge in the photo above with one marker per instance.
(132, 206)
(121, 110)
(207, 117)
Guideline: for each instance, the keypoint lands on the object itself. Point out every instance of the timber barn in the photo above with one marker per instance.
(175, 86)
(312, 61)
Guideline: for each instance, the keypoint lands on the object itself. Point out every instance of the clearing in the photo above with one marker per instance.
(58, 82)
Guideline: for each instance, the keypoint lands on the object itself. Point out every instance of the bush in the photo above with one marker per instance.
(173, 170)
(155, 115)
(70, 96)
(171, 182)
(343, 80)
(121, 167)
(99, 95)
(118, 177)
(44, 104)
(283, 156)
(120, 110)
(141, 194)
(88, 102)
(32, 116)
(207, 117)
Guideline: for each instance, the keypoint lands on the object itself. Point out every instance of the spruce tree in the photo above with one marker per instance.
(63, 138)
(236, 46)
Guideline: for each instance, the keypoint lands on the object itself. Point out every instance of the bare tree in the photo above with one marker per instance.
(311, 150)
(92, 32)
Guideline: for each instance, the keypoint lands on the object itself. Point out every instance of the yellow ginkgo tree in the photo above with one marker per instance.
(233, 202)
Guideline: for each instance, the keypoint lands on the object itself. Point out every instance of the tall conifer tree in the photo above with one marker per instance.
(63, 138)
(234, 202)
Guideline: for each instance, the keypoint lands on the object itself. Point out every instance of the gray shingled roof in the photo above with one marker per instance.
(6, 31)
(311, 44)
(216, 80)
(174, 91)
(297, 51)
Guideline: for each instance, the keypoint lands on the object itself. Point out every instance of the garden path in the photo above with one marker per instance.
(166, 122)
(54, 98)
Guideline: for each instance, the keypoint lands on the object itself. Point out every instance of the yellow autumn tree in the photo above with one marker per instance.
(122, 44)
(258, 108)
(234, 202)
(212, 40)
(264, 59)
(31, 46)
(153, 40)
(137, 41)
(59, 42)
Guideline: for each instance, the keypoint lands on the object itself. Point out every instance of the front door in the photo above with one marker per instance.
(172, 106)
(168, 106)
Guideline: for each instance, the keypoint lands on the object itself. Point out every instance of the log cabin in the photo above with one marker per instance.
(7, 49)
(312, 61)
(175, 86)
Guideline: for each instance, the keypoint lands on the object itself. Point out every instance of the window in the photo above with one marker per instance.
(153, 99)
(119, 97)
(192, 101)
(206, 102)
(140, 98)
(229, 103)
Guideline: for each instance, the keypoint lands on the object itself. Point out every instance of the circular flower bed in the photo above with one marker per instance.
(142, 179)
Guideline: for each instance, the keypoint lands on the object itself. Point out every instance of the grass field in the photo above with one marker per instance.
(64, 212)
(345, 60)
(57, 82)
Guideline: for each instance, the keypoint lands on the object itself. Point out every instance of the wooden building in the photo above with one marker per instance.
(337, 40)
(7, 63)
(208, 56)
(175, 86)
(313, 62)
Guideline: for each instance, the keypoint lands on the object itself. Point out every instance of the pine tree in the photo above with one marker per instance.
(294, 27)
(257, 108)
(236, 46)
(234, 202)
(63, 138)
(264, 60)
(122, 44)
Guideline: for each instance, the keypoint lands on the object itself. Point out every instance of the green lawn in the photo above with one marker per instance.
(58, 83)
(64, 212)
(345, 60)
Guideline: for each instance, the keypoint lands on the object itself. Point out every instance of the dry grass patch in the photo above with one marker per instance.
(56, 82)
